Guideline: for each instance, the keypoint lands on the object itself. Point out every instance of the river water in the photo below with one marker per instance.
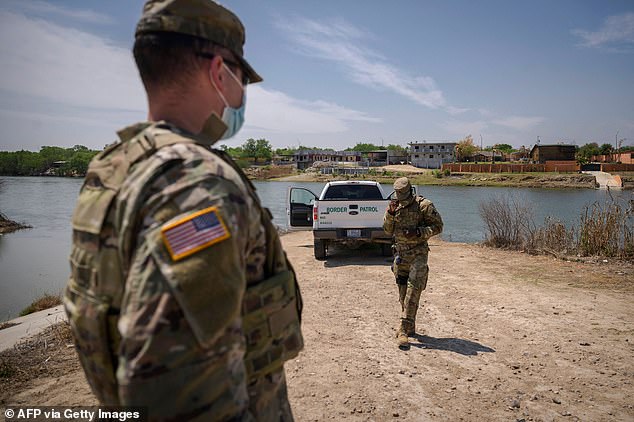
(35, 261)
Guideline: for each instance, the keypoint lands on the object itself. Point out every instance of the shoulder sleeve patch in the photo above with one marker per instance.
(193, 233)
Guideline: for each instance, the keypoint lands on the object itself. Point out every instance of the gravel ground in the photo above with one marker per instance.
(500, 336)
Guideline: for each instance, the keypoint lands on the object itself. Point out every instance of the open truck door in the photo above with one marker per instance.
(299, 208)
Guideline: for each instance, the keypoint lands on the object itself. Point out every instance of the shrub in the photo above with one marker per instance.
(554, 237)
(44, 302)
(604, 230)
(243, 164)
(508, 222)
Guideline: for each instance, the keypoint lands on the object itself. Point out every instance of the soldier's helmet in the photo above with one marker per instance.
(402, 188)
(199, 18)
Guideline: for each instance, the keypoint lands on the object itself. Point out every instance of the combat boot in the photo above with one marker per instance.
(402, 334)
(402, 340)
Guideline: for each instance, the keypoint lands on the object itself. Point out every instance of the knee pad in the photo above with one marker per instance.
(401, 280)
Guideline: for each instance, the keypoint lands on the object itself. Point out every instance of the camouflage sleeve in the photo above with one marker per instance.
(182, 344)
(388, 223)
(431, 221)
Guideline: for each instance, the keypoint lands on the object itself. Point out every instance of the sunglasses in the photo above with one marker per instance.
(230, 63)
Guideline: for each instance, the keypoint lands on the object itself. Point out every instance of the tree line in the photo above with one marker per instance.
(258, 150)
(68, 161)
(58, 161)
(74, 161)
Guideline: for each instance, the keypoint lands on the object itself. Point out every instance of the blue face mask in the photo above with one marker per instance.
(232, 117)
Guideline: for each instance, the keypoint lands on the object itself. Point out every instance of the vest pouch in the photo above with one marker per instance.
(91, 209)
(90, 319)
(271, 324)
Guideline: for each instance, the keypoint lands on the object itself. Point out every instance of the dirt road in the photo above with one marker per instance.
(501, 336)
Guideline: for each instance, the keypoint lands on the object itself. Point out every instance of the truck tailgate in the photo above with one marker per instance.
(343, 214)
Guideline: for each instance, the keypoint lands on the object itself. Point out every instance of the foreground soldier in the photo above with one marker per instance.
(181, 298)
(412, 220)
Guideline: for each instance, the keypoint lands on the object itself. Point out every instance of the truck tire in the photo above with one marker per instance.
(320, 249)
(386, 249)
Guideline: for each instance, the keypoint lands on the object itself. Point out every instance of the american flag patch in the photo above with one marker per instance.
(194, 233)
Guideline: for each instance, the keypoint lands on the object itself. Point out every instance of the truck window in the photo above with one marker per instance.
(300, 196)
(353, 192)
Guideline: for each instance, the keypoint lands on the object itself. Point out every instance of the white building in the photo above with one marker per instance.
(431, 155)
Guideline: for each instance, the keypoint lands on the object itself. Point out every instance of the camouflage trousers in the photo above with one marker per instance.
(268, 399)
(412, 266)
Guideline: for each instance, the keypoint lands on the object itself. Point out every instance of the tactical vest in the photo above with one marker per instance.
(271, 308)
(409, 217)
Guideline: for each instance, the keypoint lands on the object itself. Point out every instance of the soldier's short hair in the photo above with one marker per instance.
(170, 59)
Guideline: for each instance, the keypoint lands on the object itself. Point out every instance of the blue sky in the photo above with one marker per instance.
(341, 72)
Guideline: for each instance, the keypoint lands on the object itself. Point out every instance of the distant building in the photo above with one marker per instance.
(542, 153)
(397, 156)
(377, 158)
(523, 154)
(487, 156)
(305, 158)
(431, 155)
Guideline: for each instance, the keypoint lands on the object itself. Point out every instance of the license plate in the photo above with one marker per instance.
(354, 233)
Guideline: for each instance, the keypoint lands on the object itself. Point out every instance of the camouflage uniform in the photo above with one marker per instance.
(412, 223)
(172, 334)
(180, 298)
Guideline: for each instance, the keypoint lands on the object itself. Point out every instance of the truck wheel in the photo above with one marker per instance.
(386, 249)
(320, 249)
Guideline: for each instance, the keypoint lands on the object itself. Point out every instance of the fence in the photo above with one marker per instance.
(617, 167)
(550, 166)
(562, 167)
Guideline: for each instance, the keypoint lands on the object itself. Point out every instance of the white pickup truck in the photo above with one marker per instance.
(345, 212)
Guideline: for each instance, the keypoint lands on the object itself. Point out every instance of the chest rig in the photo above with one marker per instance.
(408, 217)
(100, 256)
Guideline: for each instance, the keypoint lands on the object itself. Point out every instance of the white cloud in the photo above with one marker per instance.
(616, 34)
(44, 8)
(68, 76)
(340, 42)
(461, 128)
(456, 110)
(274, 111)
(518, 122)
(485, 126)
(66, 65)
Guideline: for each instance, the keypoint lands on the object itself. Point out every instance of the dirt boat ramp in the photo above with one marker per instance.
(501, 336)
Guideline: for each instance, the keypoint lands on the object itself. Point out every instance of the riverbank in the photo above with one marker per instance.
(524, 180)
(425, 177)
(10, 226)
(501, 336)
